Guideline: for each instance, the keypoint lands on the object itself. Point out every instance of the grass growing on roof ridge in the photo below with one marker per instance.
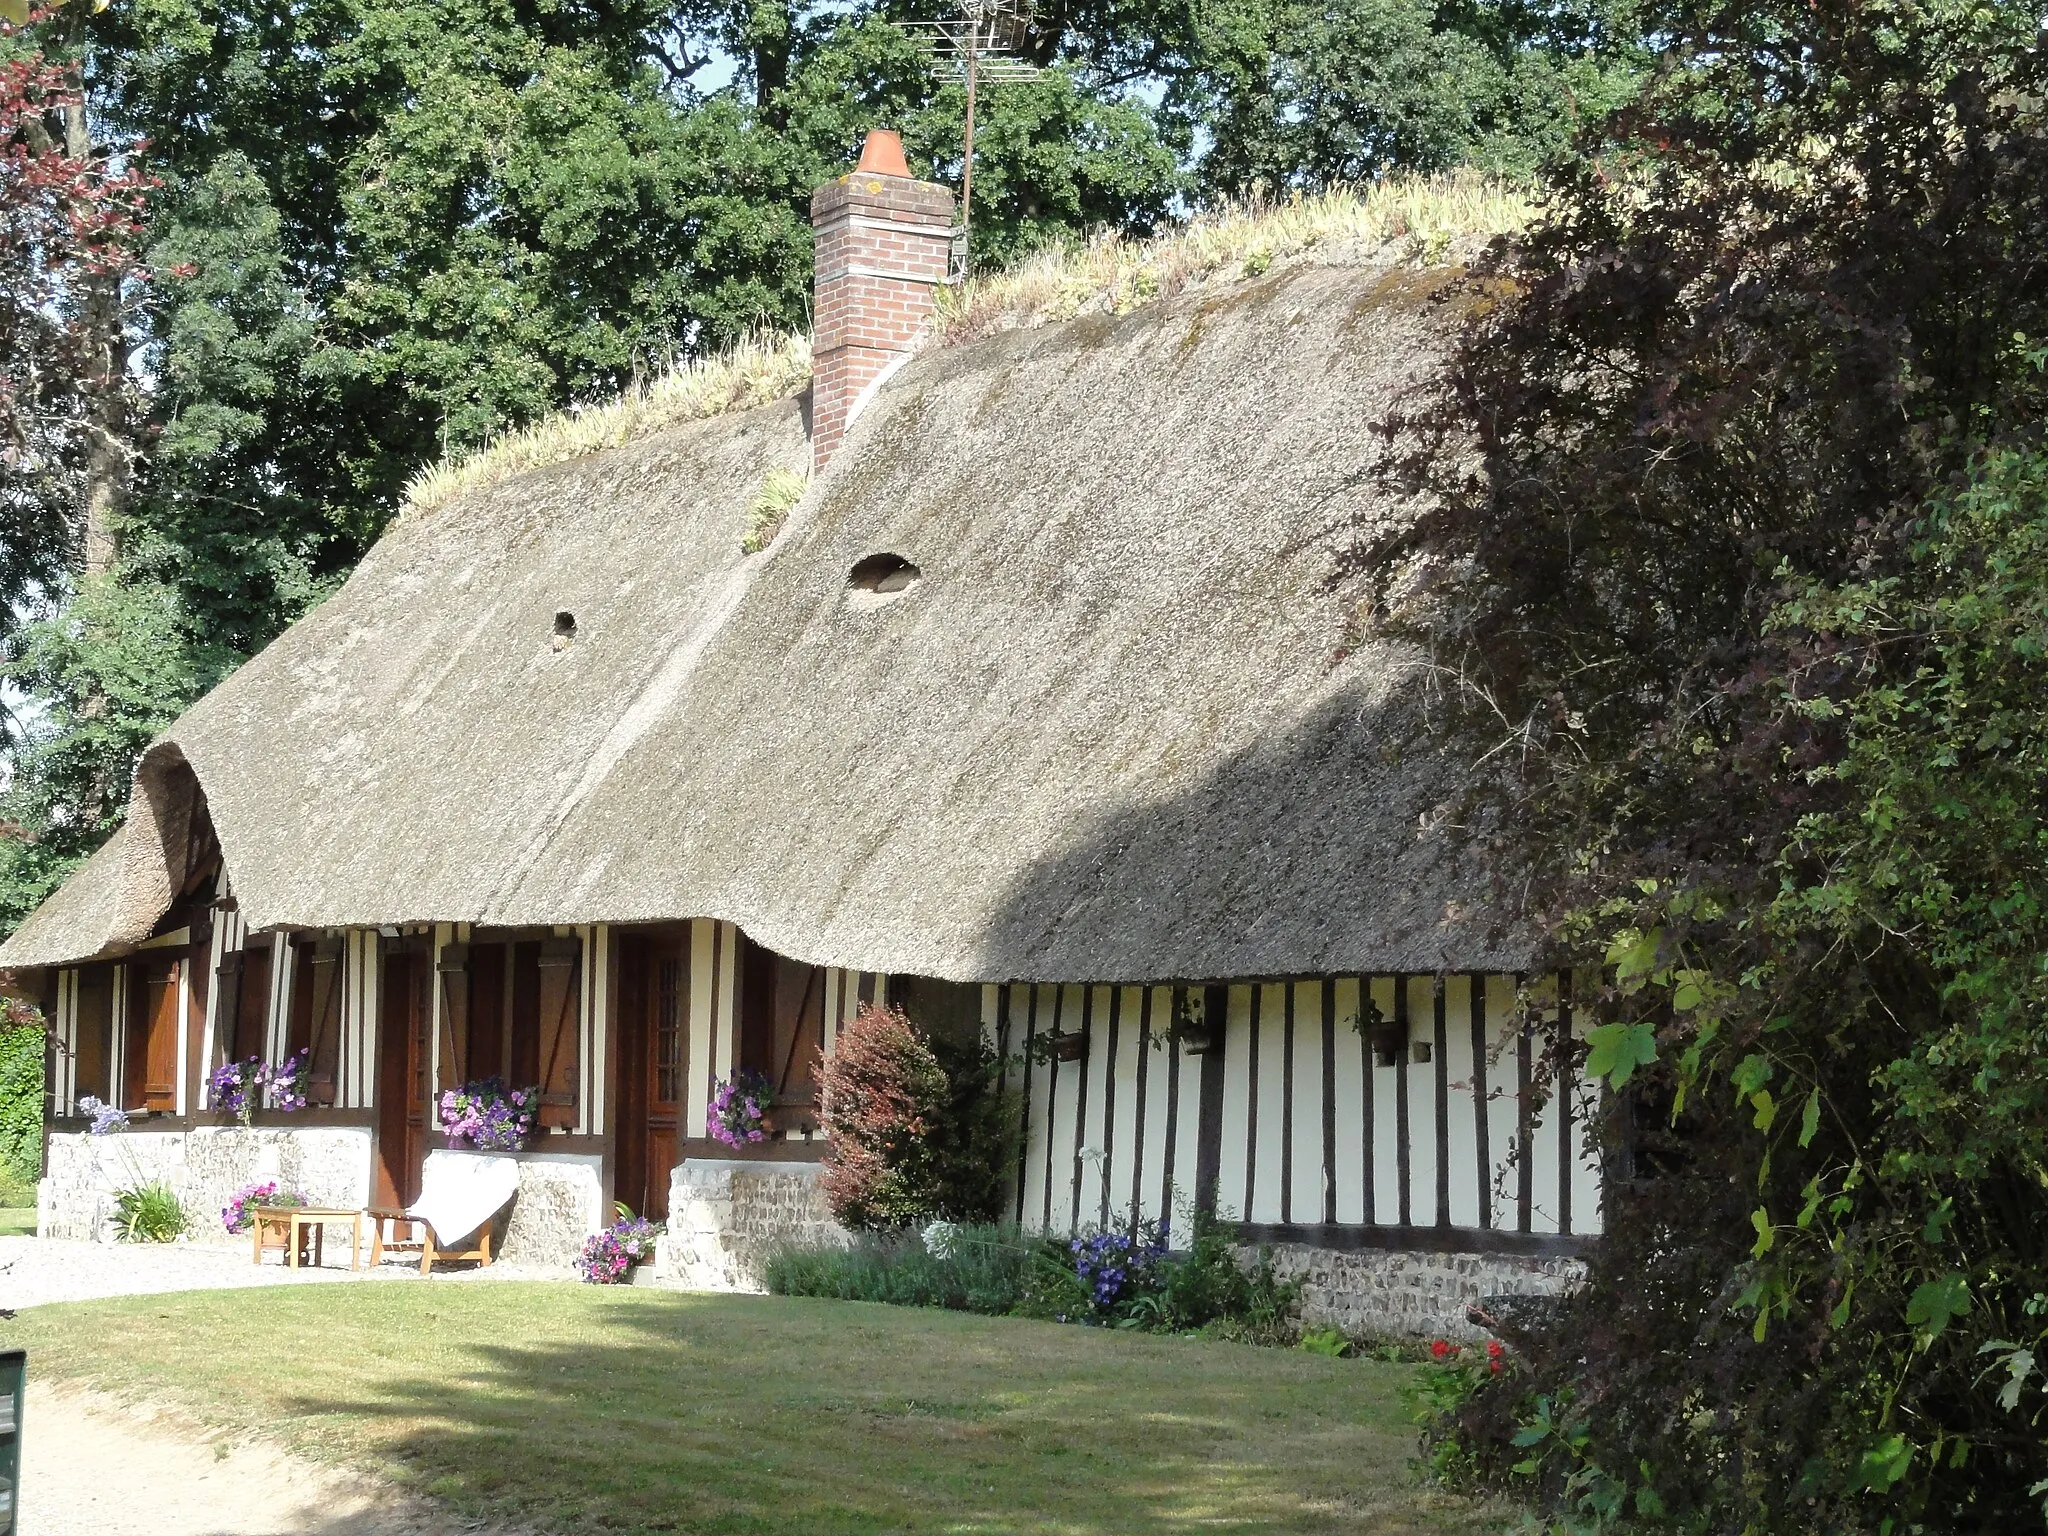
(754, 372)
(1407, 218)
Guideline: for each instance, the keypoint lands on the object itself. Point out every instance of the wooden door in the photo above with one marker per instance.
(153, 1036)
(654, 991)
(404, 1019)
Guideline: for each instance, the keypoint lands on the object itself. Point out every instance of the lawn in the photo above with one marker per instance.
(17, 1222)
(631, 1410)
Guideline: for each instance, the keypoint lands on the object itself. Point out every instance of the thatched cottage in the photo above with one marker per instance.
(1039, 714)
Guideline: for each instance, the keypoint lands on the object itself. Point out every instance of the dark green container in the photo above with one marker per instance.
(13, 1378)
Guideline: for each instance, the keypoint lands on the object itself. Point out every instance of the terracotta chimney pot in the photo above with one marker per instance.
(882, 154)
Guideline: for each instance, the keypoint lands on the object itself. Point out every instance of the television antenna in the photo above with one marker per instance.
(981, 43)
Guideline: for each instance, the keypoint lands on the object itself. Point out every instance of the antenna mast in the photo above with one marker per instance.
(980, 46)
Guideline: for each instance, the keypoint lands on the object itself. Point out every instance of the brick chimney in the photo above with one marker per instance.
(883, 241)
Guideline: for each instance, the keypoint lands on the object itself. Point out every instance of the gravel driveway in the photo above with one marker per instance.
(95, 1467)
(34, 1270)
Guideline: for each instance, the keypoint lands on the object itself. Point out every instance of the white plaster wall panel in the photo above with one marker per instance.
(1190, 1072)
(1093, 1087)
(1063, 1122)
(1305, 1167)
(1421, 1083)
(1460, 1105)
(1269, 1160)
(1386, 1134)
(1349, 1074)
(1127, 1156)
(703, 962)
(1504, 1106)
(1544, 1161)
(1159, 1062)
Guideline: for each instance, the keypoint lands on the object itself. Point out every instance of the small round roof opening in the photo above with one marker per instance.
(878, 579)
(565, 629)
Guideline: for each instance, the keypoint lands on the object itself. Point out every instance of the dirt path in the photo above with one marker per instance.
(94, 1468)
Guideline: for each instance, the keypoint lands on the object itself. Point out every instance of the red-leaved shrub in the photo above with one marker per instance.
(918, 1127)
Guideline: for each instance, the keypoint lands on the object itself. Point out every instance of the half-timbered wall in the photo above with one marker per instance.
(713, 1028)
(578, 957)
(1404, 1103)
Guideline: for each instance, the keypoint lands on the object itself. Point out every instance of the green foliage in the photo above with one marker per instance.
(149, 1213)
(1204, 1288)
(22, 1047)
(1325, 1341)
(1755, 567)
(1301, 94)
(997, 1269)
(777, 498)
(110, 670)
(985, 1270)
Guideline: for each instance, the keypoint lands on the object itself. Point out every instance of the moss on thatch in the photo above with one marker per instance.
(1410, 220)
(779, 494)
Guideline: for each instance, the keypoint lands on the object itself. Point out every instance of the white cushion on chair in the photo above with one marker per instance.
(460, 1191)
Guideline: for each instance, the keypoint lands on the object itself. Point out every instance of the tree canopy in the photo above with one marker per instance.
(1749, 567)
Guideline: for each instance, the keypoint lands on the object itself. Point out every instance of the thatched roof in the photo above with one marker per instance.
(1113, 733)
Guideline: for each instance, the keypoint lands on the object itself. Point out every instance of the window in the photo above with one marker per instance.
(668, 1030)
(244, 1018)
(95, 1032)
(782, 1026)
(316, 1012)
(513, 1010)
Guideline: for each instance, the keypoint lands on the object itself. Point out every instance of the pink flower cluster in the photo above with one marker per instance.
(235, 1085)
(239, 1213)
(488, 1116)
(739, 1109)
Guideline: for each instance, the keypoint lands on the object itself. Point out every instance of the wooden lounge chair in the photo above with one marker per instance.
(461, 1196)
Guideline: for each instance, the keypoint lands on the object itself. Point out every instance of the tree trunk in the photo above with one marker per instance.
(109, 450)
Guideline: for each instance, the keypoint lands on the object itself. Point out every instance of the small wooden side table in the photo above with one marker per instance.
(299, 1231)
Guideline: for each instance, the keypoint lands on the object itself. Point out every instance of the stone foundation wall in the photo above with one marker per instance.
(560, 1203)
(724, 1215)
(1378, 1294)
(560, 1200)
(329, 1165)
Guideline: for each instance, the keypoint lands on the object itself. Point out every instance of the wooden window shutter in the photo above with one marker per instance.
(561, 1012)
(453, 967)
(227, 1031)
(325, 1062)
(156, 1001)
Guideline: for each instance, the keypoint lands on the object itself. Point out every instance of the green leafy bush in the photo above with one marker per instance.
(986, 1269)
(149, 1213)
(21, 1105)
(997, 1269)
(1773, 698)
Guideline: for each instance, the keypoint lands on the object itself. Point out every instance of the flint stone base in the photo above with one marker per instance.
(725, 1214)
(560, 1200)
(329, 1165)
(1370, 1293)
(559, 1204)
